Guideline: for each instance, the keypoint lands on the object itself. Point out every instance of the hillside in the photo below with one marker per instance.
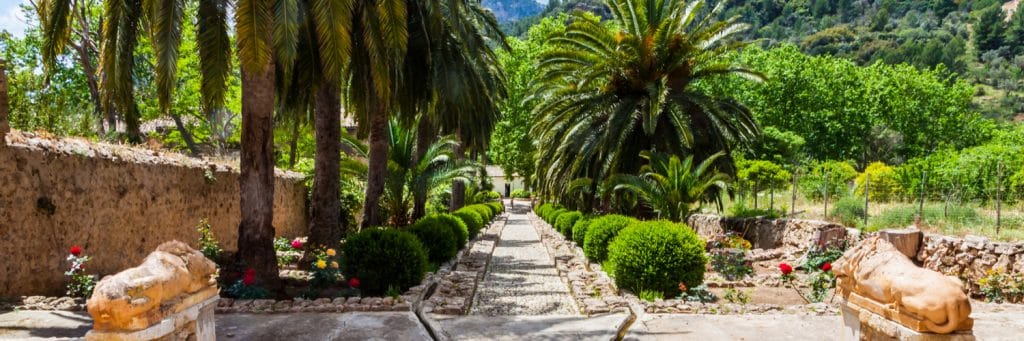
(981, 41)
(512, 10)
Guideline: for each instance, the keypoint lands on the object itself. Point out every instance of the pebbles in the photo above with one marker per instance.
(521, 278)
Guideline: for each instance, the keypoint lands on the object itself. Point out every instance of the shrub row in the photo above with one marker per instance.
(396, 259)
(642, 256)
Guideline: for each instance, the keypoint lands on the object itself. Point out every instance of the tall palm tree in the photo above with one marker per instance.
(672, 186)
(608, 92)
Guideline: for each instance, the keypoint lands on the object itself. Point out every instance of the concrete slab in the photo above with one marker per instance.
(321, 326)
(48, 325)
(566, 327)
(735, 327)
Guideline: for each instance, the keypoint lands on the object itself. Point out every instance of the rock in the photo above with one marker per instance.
(907, 241)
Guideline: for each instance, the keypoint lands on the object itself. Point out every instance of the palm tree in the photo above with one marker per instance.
(607, 93)
(672, 186)
(407, 175)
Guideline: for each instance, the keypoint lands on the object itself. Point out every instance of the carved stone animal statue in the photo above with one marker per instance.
(880, 272)
(172, 270)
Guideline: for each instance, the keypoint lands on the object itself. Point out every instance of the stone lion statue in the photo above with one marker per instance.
(880, 272)
(172, 270)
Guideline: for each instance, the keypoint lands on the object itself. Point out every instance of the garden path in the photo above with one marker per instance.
(521, 278)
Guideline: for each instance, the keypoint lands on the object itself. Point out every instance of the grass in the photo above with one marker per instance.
(958, 220)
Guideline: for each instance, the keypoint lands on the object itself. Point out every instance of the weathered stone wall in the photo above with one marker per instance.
(970, 257)
(769, 233)
(117, 203)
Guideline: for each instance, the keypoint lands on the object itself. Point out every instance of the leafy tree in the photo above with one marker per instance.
(1015, 31)
(838, 174)
(672, 186)
(989, 29)
(761, 175)
(778, 146)
(609, 91)
(511, 144)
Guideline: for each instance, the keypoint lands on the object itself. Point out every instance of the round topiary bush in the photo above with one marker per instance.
(437, 237)
(579, 230)
(566, 221)
(494, 210)
(542, 209)
(553, 216)
(657, 256)
(497, 206)
(600, 232)
(485, 212)
(383, 258)
(474, 223)
(458, 227)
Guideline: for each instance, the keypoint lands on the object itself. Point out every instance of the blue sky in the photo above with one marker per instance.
(11, 18)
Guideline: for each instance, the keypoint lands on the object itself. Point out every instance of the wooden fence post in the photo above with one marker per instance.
(827, 174)
(867, 189)
(999, 194)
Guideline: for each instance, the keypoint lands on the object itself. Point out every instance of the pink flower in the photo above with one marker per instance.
(76, 250)
(296, 243)
(826, 267)
(785, 268)
(353, 282)
(250, 277)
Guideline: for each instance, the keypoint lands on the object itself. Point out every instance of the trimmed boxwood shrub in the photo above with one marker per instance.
(494, 210)
(485, 212)
(458, 227)
(437, 237)
(472, 220)
(657, 256)
(601, 232)
(579, 230)
(383, 258)
(553, 216)
(566, 221)
(542, 209)
(497, 206)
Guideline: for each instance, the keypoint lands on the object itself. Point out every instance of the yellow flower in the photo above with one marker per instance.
(331, 252)
(321, 264)
(334, 265)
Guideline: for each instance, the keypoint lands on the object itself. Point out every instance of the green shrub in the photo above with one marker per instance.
(497, 207)
(566, 221)
(579, 230)
(474, 223)
(520, 194)
(658, 256)
(553, 216)
(542, 209)
(485, 212)
(884, 184)
(849, 211)
(457, 225)
(383, 258)
(600, 233)
(437, 237)
(739, 209)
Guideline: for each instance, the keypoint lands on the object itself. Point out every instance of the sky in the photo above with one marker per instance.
(11, 18)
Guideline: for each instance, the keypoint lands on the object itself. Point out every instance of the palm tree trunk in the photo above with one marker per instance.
(325, 228)
(293, 144)
(4, 106)
(186, 135)
(458, 187)
(255, 232)
(425, 135)
(377, 168)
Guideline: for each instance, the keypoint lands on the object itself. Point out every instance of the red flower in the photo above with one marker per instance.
(76, 250)
(353, 282)
(296, 243)
(826, 267)
(250, 277)
(785, 268)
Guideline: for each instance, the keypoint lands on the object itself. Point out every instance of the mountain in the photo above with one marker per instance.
(512, 10)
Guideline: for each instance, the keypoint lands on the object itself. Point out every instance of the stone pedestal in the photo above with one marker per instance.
(185, 320)
(907, 241)
(861, 324)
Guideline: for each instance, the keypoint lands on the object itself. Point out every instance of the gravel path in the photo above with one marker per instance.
(521, 278)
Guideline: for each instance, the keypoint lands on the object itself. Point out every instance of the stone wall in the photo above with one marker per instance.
(769, 233)
(117, 203)
(970, 257)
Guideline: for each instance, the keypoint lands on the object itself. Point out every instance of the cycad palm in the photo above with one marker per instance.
(608, 93)
(672, 186)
